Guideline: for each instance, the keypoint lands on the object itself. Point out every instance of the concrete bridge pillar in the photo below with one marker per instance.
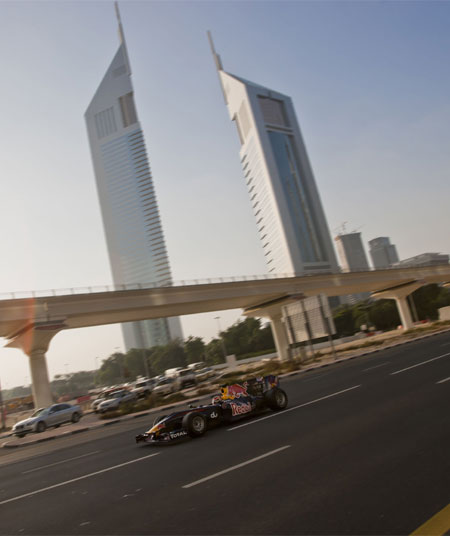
(34, 341)
(405, 313)
(280, 337)
(40, 383)
(400, 293)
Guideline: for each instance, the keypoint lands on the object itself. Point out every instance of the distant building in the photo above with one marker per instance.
(352, 258)
(424, 259)
(351, 252)
(134, 235)
(382, 252)
(289, 215)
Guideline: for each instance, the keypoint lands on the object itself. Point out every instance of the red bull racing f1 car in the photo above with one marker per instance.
(234, 402)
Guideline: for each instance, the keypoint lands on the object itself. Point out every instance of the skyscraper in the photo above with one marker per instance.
(352, 258)
(291, 222)
(134, 236)
(351, 252)
(382, 252)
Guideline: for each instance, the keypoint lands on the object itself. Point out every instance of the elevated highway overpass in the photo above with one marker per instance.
(31, 322)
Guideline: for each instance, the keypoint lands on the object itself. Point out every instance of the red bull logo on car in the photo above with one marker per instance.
(230, 392)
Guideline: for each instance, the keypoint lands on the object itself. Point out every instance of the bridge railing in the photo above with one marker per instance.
(22, 294)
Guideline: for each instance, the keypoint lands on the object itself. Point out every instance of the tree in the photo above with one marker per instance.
(247, 336)
(344, 321)
(428, 299)
(194, 348)
(214, 352)
(169, 356)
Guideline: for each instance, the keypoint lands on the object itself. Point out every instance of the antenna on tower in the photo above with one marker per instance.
(216, 56)
(119, 20)
(218, 63)
(122, 36)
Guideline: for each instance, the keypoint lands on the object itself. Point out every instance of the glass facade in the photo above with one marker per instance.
(297, 197)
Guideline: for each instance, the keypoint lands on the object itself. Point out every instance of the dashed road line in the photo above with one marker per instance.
(254, 421)
(31, 493)
(62, 461)
(234, 467)
(376, 366)
(419, 364)
(444, 380)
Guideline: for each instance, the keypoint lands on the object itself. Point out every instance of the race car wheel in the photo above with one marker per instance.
(276, 399)
(75, 417)
(159, 419)
(195, 424)
(41, 427)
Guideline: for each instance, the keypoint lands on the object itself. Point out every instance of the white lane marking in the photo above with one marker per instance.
(292, 409)
(444, 380)
(63, 461)
(376, 366)
(234, 467)
(76, 479)
(445, 344)
(318, 377)
(418, 364)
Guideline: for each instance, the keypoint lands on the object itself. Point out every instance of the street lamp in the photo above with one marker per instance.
(144, 357)
(97, 369)
(224, 350)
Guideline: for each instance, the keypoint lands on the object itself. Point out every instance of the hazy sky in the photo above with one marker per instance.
(369, 80)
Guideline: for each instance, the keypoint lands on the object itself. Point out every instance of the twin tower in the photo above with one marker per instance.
(284, 196)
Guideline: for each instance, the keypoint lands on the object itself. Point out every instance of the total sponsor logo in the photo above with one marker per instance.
(181, 433)
(240, 409)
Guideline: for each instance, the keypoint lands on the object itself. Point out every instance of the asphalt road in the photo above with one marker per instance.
(362, 449)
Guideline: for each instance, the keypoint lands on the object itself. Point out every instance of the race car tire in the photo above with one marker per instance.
(276, 399)
(41, 427)
(159, 419)
(194, 424)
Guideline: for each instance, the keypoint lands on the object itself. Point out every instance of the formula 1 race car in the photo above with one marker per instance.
(234, 402)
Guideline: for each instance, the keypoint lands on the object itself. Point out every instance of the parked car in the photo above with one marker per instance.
(204, 374)
(43, 418)
(197, 366)
(164, 386)
(115, 400)
(184, 378)
(143, 387)
(104, 395)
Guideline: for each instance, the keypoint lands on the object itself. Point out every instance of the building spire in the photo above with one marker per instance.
(216, 56)
(218, 63)
(119, 21)
(122, 37)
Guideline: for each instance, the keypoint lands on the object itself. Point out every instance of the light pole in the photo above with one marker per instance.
(121, 363)
(144, 357)
(97, 369)
(224, 350)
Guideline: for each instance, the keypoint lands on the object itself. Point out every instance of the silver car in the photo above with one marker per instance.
(115, 400)
(43, 418)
